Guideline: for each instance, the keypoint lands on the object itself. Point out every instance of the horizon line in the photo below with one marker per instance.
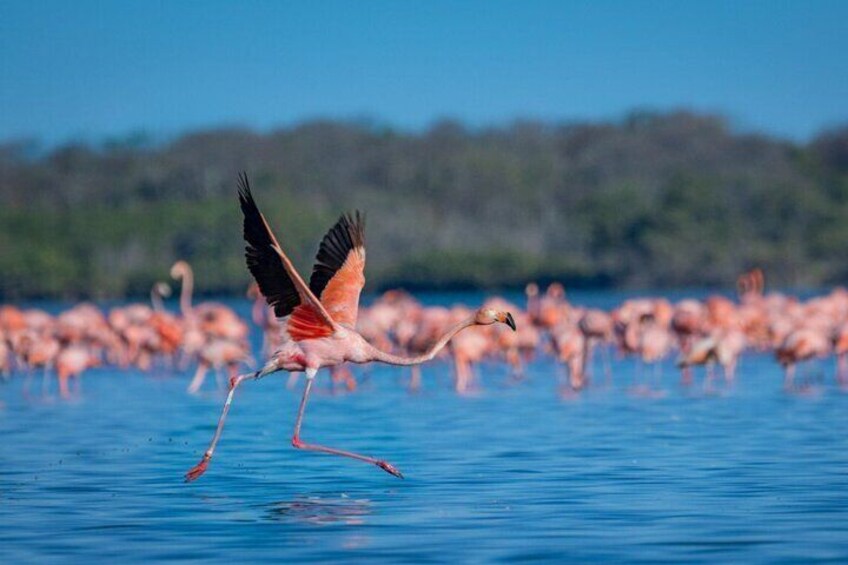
(144, 136)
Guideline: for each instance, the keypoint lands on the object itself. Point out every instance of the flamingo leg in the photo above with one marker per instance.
(587, 359)
(563, 374)
(658, 374)
(686, 376)
(513, 357)
(462, 373)
(415, 380)
(27, 381)
(293, 376)
(298, 444)
(64, 391)
(45, 382)
(637, 379)
(199, 377)
(789, 377)
(708, 382)
(730, 371)
(200, 468)
(350, 381)
(605, 357)
(575, 374)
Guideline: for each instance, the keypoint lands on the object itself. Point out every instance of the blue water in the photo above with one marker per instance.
(515, 472)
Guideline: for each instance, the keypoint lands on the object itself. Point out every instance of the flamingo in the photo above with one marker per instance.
(723, 347)
(596, 327)
(72, 362)
(567, 340)
(318, 320)
(801, 345)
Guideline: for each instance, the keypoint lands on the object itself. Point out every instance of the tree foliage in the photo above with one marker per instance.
(654, 200)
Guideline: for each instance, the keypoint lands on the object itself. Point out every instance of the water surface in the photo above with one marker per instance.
(514, 472)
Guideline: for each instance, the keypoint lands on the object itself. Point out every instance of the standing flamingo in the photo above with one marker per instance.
(318, 319)
(71, 362)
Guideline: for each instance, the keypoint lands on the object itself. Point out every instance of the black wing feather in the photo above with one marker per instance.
(262, 261)
(346, 235)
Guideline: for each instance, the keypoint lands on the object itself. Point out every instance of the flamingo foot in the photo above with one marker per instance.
(195, 472)
(389, 468)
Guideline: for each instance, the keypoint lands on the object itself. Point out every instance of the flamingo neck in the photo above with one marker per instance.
(156, 300)
(186, 292)
(391, 359)
(533, 305)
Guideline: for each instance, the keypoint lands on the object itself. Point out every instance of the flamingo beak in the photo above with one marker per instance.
(509, 321)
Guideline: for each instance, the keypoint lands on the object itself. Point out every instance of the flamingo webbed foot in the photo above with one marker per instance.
(389, 468)
(195, 472)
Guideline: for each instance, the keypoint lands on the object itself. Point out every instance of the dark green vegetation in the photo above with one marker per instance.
(655, 200)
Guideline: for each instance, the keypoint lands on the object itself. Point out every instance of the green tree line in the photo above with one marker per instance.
(655, 200)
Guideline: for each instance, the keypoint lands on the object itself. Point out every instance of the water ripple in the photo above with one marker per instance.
(512, 474)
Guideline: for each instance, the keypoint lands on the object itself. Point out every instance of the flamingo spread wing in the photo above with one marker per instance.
(279, 282)
(339, 272)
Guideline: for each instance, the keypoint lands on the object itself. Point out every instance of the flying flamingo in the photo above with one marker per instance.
(318, 319)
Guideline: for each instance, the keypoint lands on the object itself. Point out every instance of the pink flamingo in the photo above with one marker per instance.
(597, 327)
(568, 345)
(722, 347)
(801, 345)
(71, 362)
(318, 319)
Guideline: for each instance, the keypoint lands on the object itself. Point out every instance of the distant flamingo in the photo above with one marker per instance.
(166, 325)
(568, 345)
(800, 345)
(433, 322)
(750, 285)
(212, 318)
(264, 319)
(722, 347)
(533, 306)
(38, 351)
(318, 319)
(71, 362)
(552, 307)
(467, 349)
(655, 343)
(212, 332)
(216, 354)
(688, 323)
(597, 327)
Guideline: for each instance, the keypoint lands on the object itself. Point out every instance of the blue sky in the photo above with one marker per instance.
(88, 70)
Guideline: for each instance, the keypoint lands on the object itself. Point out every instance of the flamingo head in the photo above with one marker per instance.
(556, 290)
(487, 316)
(531, 290)
(163, 289)
(179, 269)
